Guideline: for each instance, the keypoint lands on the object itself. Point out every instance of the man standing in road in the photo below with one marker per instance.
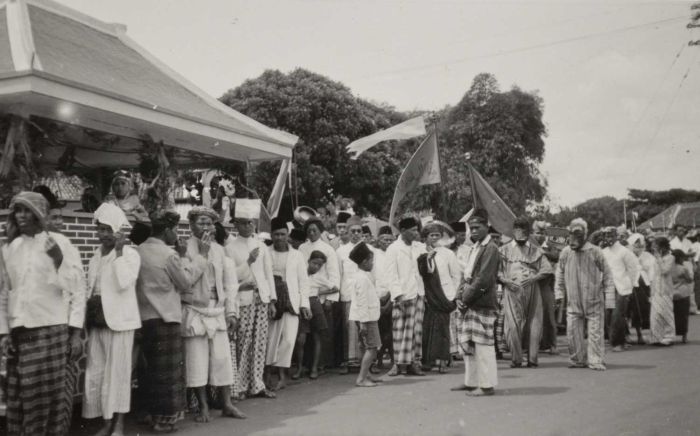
(476, 301)
(407, 293)
(625, 269)
(583, 275)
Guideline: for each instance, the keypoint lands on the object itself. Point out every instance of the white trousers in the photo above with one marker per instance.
(208, 361)
(108, 373)
(281, 337)
(480, 369)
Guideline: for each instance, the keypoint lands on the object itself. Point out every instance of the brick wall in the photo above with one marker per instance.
(79, 228)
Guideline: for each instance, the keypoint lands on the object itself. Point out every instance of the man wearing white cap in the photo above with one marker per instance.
(112, 319)
(256, 298)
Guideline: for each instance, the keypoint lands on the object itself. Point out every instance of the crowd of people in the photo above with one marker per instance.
(227, 316)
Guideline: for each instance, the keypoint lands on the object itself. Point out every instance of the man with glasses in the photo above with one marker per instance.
(348, 270)
(256, 298)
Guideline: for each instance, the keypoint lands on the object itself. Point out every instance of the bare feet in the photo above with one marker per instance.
(163, 428)
(366, 384)
(313, 375)
(597, 367)
(231, 411)
(280, 385)
(394, 371)
(203, 414)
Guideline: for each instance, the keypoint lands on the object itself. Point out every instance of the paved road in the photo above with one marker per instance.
(645, 391)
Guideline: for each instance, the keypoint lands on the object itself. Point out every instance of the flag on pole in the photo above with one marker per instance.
(406, 130)
(275, 200)
(422, 169)
(501, 217)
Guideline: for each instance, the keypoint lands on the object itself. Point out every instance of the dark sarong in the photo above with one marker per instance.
(640, 306)
(162, 374)
(681, 311)
(436, 321)
(39, 390)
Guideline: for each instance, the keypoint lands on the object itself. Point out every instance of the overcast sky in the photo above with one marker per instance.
(618, 111)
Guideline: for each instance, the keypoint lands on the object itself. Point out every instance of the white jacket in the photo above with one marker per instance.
(296, 277)
(117, 287)
(259, 274)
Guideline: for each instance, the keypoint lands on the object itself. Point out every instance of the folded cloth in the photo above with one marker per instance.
(200, 321)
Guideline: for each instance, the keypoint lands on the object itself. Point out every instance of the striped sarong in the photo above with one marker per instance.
(39, 391)
(477, 326)
(162, 375)
(407, 331)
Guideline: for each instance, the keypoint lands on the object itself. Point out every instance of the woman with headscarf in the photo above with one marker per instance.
(441, 276)
(662, 323)
(640, 305)
(112, 318)
(122, 196)
(42, 307)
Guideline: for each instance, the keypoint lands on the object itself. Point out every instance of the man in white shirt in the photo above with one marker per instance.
(42, 308)
(332, 307)
(407, 293)
(681, 242)
(625, 269)
(348, 270)
(256, 297)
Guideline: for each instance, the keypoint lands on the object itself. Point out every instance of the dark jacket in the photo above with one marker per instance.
(480, 291)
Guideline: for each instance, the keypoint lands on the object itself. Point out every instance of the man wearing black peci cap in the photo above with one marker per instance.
(407, 293)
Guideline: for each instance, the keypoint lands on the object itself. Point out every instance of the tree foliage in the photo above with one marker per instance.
(503, 131)
(326, 117)
(504, 134)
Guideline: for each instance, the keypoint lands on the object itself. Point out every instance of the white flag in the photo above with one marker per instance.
(422, 169)
(406, 130)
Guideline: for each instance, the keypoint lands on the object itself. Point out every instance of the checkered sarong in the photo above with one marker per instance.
(500, 323)
(477, 326)
(162, 378)
(38, 401)
(408, 330)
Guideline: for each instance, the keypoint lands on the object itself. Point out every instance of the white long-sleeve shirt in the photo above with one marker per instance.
(624, 266)
(348, 269)
(402, 269)
(38, 295)
(330, 270)
(258, 274)
(365, 306)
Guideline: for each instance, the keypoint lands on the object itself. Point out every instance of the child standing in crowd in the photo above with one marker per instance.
(364, 310)
(318, 285)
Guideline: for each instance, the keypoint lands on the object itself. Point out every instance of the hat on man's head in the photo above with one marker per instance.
(479, 216)
(408, 222)
(386, 230)
(366, 230)
(198, 211)
(459, 227)
(278, 223)
(247, 208)
(343, 217)
(297, 235)
(360, 253)
(354, 221)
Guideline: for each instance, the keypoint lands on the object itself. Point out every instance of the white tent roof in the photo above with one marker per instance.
(61, 65)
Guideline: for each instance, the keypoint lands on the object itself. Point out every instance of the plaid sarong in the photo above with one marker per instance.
(501, 344)
(39, 395)
(408, 330)
(162, 376)
(477, 326)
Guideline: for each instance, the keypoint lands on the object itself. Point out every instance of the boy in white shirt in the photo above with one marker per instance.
(364, 310)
